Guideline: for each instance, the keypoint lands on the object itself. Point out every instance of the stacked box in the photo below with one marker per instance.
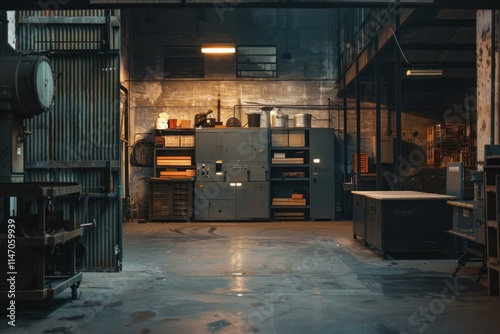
(279, 138)
(297, 138)
(172, 141)
(187, 141)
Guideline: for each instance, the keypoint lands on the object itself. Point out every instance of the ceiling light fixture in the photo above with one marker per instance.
(218, 48)
(432, 73)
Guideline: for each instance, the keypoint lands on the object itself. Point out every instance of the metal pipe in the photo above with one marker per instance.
(345, 132)
(299, 107)
(218, 110)
(126, 116)
(330, 105)
(358, 127)
(397, 96)
(378, 146)
(329, 114)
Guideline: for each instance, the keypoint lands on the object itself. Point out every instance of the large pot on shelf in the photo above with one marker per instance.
(302, 120)
(254, 119)
(279, 120)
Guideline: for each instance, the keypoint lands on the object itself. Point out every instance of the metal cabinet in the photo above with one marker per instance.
(232, 145)
(171, 200)
(322, 152)
(406, 221)
(214, 200)
(231, 200)
(252, 201)
(359, 216)
(290, 171)
(231, 174)
(302, 163)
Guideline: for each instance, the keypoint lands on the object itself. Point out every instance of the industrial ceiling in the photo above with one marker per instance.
(89, 4)
(427, 38)
(439, 33)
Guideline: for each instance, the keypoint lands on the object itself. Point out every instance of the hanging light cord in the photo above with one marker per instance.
(406, 60)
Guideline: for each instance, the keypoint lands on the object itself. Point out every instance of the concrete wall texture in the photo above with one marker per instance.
(305, 76)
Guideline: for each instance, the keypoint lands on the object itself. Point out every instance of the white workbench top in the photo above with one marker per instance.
(403, 195)
(462, 204)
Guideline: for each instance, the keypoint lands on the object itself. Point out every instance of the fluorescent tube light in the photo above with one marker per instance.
(412, 73)
(218, 48)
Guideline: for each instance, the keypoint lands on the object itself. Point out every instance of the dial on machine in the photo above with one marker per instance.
(26, 90)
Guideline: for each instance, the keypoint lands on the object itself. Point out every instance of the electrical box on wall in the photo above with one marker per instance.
(386, 149)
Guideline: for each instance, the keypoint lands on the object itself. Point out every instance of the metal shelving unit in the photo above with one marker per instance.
(171, 188)
(289, 174)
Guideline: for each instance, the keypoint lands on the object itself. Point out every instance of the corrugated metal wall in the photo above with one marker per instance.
(69, 30)
(79, 140)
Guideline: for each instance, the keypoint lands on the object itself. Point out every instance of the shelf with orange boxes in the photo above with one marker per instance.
(174, 154)
(171, 187)
(290, 174)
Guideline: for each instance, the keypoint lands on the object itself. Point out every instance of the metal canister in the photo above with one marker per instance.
(302, 120)
(279, 120)
(254, 119)
(265, 119)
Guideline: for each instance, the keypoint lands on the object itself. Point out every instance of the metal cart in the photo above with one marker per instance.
(46, 233)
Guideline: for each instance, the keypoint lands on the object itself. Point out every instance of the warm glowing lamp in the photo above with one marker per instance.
(218, 48)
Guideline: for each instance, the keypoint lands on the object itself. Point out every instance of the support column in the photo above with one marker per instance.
(358, 127)
(487, 80)
(378, 146)
(397, 108)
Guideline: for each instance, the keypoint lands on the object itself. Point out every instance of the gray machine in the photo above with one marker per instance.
(46, 240)
(231, 174)
(321, 141)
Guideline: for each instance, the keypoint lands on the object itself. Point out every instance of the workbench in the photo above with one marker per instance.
(403, 221)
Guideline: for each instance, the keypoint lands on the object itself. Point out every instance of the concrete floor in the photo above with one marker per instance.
(299, 277)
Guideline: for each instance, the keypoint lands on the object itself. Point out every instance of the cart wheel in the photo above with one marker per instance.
(74, 292)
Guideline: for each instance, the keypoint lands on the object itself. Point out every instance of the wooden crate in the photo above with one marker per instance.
(297, 139)
(279, 138)
(187, 141)
(159, 141)
(172, 141)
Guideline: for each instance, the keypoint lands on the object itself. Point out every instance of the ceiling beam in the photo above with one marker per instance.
(438, 23)
(437, 47)
(443, 65)
(468, 4)
(269, 3)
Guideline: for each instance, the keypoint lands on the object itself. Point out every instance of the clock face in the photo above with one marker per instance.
(44, 83)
